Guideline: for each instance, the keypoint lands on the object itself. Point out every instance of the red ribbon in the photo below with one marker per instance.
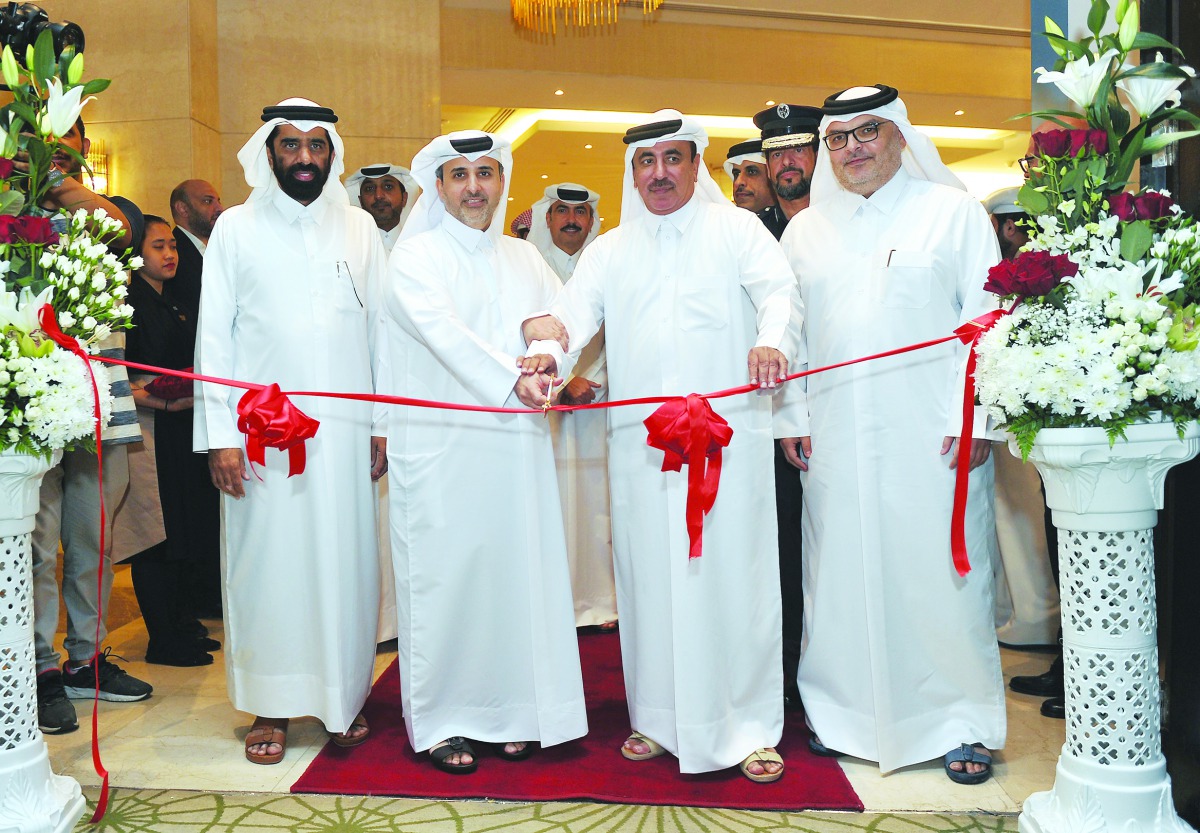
(50, 325)
(270, 420)
(689, 431)
(968, 333)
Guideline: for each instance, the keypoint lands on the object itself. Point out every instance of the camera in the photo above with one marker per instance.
(21, 24)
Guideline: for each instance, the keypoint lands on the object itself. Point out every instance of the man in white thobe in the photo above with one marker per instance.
(386, 192)
(564, 223)
(487, 641)
(686, 287)
(290, 281)
(900, 660)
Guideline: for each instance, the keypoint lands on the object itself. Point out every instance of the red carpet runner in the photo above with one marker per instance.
(589, 769)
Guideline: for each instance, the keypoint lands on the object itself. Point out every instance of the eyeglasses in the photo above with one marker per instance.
(863, 134)
(1028, 163)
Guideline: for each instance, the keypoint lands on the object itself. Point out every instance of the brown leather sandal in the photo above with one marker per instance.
(346, 740)
(267, 730)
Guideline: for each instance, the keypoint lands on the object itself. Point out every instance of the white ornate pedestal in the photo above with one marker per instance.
(32, 798)
(1111, 775)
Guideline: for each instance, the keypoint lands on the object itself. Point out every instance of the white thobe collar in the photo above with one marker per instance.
(846, 204)
(679, 219)
(471, 239)
(389, 238)
(293, 211)
(196, 241)
(561, 262)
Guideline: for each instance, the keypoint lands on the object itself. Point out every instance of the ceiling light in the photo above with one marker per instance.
(545, 176)
(770, 103)
(542, 15)
(558, 92)
(959, 112)
(587, 147)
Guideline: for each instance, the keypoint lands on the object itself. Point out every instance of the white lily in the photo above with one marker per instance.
(62, 109)
(1079, 80)
(21, 310)
(1146, 95)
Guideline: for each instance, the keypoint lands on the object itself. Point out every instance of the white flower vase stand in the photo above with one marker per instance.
(1111, 774)
(32, 798)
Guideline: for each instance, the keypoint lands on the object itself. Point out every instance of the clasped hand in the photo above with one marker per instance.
(533, 385)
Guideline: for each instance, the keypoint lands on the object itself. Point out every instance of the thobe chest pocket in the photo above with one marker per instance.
(701, 303)
(905, 279)
(337, 288)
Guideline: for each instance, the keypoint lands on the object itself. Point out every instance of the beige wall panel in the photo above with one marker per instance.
(142, 45)
(203, 69)
(206, 156)
(376, 63)
(234, 189)
(362, 151)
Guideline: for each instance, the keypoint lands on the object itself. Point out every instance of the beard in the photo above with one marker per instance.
(796, 190)
(199, 224)
(297, 189)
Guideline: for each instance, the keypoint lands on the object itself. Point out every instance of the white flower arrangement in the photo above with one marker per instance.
(1103, 329)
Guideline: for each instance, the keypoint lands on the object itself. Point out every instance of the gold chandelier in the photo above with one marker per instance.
(542, 15)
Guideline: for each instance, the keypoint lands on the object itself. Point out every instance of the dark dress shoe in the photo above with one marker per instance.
(181, 656)
(1055, 707)
(206, 643)
(1049, 684)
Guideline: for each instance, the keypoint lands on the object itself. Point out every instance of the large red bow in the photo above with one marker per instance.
(968, 333)
(690, 431)
(269, 419)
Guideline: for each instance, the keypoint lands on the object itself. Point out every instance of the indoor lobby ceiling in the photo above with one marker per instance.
(554, 95)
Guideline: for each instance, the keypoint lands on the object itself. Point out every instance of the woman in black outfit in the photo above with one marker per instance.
(164, 335)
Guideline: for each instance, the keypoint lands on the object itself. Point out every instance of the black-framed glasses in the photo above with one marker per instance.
(1028, 164)
(863, 134)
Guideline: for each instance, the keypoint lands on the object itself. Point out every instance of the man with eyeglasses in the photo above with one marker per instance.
(901, 663)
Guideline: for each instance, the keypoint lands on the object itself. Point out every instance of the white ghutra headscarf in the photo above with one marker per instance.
(303, 115)
(571, 194)
(471, 144)
(919, 158)
(381, 169)
(665, 126)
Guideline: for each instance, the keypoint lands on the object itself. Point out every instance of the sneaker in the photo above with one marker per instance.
(115, 684)
(56, 715)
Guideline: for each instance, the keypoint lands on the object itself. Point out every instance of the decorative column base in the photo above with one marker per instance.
(32, 798)
(1111, 775)
(1076, 805)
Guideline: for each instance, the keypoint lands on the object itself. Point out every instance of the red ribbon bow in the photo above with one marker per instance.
(269, 419)
(968, 333)
(689, 431)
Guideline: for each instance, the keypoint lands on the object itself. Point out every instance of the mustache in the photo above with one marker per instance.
(300, 166)
(661, 183)
(572, 227)
(789, 169)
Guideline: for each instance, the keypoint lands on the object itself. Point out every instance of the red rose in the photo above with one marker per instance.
(1121, 206)
(1152, 205)
(6, 167)
(36, 230)
(1002, 279)
(1030, 274)
(7, 222)
(1052, 143)
(1085, 141)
